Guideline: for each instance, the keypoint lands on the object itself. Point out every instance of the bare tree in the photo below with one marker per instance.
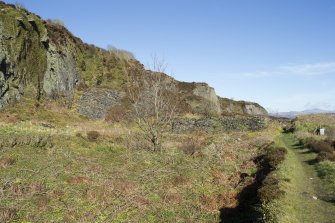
(153, 95)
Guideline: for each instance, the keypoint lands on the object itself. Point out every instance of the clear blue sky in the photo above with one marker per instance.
(279, 53)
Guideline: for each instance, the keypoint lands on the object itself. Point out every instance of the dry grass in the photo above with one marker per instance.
(78, 180)
(73, 180)
(7, 214)
(7, 162)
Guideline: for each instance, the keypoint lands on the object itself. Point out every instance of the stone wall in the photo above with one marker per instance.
(226, 123)
(96, 102)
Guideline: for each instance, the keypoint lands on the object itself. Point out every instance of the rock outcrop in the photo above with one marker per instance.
(208, 93)
(61, 76)
(229, 107)
(45, 56)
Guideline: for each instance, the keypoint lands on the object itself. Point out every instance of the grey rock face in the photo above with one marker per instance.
(7, 90)
(252, 109)
(61, 75)
(208, 93)
(96, 102)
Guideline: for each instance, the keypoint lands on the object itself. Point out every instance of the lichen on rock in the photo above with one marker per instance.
(96, 102)
(61, 75)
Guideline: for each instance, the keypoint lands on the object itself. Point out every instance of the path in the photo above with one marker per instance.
(303, 188)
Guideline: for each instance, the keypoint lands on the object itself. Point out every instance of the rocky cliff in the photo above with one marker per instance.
(46, 57)
(229, 106)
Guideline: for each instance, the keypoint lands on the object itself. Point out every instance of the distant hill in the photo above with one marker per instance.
(293, 114)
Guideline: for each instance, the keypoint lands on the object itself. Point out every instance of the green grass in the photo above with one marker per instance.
(295, 177)
(74, 180)
(326, 171)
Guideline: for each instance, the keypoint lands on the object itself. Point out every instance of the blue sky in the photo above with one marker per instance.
(279, 53)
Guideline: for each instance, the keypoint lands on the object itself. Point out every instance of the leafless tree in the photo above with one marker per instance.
(153, 95)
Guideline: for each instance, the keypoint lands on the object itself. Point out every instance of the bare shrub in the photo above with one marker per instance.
(153, 96)
(92, 136)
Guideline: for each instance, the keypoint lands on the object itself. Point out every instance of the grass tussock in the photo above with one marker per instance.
(92, 136)
(7, 162)
(7, 214)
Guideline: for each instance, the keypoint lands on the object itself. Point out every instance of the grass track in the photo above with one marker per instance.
(300, 182)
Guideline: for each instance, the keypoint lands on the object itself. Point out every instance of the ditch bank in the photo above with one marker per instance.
(264, 188)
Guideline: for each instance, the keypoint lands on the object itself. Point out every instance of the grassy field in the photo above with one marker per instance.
(51, 172)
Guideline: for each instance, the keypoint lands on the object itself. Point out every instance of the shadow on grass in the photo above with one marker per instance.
(312, 161)
(307, 152)
(327, 198)
(249, 209)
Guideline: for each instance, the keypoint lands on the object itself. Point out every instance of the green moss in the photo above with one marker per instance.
(23, 44)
